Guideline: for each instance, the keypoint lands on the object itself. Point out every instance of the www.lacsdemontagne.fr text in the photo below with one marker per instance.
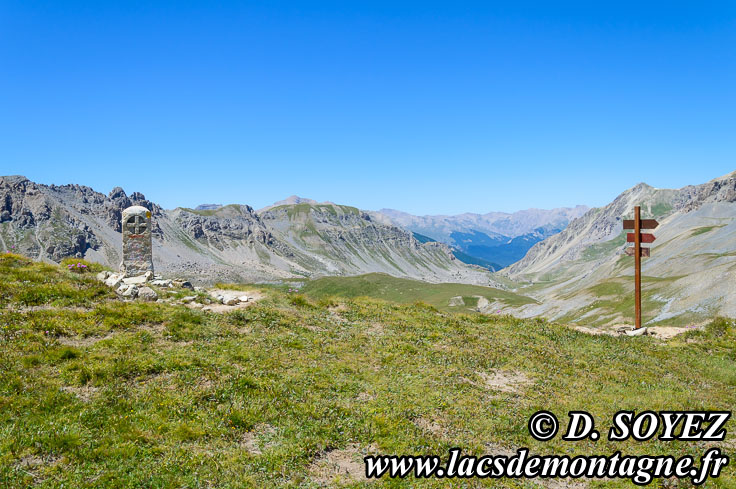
(641, 470)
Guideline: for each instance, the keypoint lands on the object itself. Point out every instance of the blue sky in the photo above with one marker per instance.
(428, 107)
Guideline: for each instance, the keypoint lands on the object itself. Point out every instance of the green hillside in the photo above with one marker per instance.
(291, 392)
(406, 291)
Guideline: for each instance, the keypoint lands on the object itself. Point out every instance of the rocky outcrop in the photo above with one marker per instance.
(719, 190)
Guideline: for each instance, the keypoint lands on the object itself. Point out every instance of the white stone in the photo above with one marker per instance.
(624, 328)
(103, 275)
(188, 298)
(243, 298)
(162, 283)
(230, 301)
(130, 291)
(138, 280)
(184, 284)
(147, 294)
(114, 280)
(637, 332)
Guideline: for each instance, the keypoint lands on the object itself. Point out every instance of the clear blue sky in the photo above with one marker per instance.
(427, 107)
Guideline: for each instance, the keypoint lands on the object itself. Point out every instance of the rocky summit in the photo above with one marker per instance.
(221, 243)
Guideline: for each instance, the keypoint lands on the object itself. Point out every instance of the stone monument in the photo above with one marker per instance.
(137, 247)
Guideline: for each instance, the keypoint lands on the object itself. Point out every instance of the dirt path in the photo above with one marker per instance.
(660, 332)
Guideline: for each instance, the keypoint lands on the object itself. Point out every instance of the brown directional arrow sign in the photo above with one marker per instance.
(645, 224)
(643, 253)
(645, 238)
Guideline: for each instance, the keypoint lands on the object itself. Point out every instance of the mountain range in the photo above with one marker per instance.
(494, 240)
(296, 239)
(577, 275)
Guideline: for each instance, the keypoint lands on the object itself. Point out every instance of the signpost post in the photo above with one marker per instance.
(638, 252)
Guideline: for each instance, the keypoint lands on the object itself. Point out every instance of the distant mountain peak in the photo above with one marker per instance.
(294, 199)
(291, 200)
(207, 207)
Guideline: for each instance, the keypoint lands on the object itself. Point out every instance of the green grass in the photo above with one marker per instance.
(129, 395)
(613, 299)
(599, 250)
(296, 210)
(704, 229)
(660, 209)
(608, 288)
(188, 242)
(470, 301)
(405, 291)
(75, 265)
(24, 284)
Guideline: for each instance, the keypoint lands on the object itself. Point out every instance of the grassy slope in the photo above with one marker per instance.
(95, 392)
(405, 291)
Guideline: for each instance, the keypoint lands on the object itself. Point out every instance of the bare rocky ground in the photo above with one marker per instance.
(345, 465)
(148, 287)
(229, 300)
(659, 332)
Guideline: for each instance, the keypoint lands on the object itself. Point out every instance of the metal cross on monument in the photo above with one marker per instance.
(637, 237)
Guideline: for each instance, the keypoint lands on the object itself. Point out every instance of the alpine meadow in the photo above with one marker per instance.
(364, 245)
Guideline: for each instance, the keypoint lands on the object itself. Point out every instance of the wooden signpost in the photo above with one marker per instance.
(637, 237)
